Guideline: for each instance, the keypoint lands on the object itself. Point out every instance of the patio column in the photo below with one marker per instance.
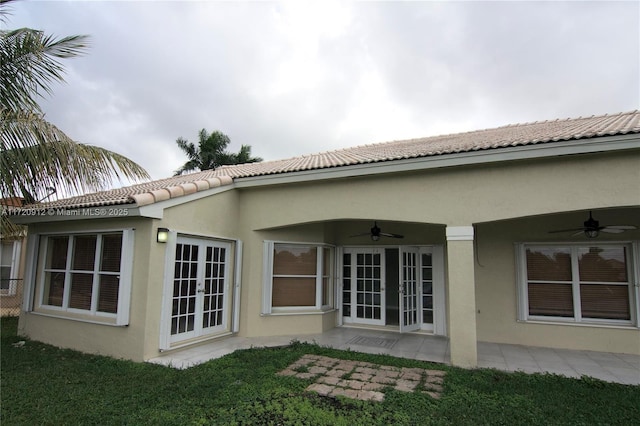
(462, 296)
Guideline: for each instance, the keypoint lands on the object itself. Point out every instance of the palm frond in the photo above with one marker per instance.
(36, 155)
(29, 65)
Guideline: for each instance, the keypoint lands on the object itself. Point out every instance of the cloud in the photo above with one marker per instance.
(290, 78)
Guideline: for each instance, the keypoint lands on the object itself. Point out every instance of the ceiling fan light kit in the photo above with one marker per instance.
(591, 228)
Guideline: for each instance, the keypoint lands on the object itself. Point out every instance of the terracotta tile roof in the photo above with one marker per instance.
(498, 138)
(501, 137)
(145, 193)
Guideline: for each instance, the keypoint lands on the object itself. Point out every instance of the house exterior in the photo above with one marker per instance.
(300, 246)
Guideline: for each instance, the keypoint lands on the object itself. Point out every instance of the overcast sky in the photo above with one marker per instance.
(293, 78)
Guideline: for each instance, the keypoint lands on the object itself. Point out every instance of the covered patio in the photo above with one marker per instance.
(610, 367)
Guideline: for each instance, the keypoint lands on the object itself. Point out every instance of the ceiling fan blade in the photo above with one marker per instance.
(612, 230)
(566, 230)
(578, 233)
(384, 234)
(623, 227)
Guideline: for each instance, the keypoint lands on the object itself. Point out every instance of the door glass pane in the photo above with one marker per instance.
(346, 284)
(214, 287)
(368, 296)
(427, 288)
(184, 289)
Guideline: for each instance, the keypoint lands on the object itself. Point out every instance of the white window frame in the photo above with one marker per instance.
(14, 265)
(267, 286)
(121, 317)
(633, 273)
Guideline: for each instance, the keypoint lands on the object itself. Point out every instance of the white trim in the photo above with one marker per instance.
(85, 320)
(33, 245)
(237, 289)
(339, 262)
(267, 276)
(126, 277)
(459, 233)
(167, 293)
(522, 152)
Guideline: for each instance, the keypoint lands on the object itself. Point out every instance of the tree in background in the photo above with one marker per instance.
(211, 152)
(35, 155)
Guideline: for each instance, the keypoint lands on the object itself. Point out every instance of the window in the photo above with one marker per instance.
(87, 273)
(300, 276)
(578, 283)
(9, 258)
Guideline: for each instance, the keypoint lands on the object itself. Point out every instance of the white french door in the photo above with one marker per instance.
(410, 290)
(366, 285)
(200, 298)
(394, 286)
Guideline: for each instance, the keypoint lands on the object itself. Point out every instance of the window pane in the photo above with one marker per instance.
(326, 260)
(294, 292)
(5, 277)
(548, 264)
(81, 289)
(54, 288)
(6, 253)
(294, 260)
(551, 300)
(603, 264)
(326, 283)
(84, 252)
(111, 251)
(108, 297)
(57, 252)
(605, 301)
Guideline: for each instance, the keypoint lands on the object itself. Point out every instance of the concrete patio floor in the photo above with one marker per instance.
(610, 367)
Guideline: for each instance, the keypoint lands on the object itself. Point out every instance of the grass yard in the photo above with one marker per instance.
(43, 385)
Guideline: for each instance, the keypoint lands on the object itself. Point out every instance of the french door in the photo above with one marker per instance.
(200, 298)
(368, 291)
(410, 290)
(391, 286)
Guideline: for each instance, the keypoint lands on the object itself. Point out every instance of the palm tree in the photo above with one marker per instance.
(35, 155)
(210, 152)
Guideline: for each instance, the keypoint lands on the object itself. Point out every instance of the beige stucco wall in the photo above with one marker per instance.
(496, 285)
(459, 196)
(121, 342)
(418, 204)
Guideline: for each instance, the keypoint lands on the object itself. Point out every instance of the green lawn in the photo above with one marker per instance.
(45, 385)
